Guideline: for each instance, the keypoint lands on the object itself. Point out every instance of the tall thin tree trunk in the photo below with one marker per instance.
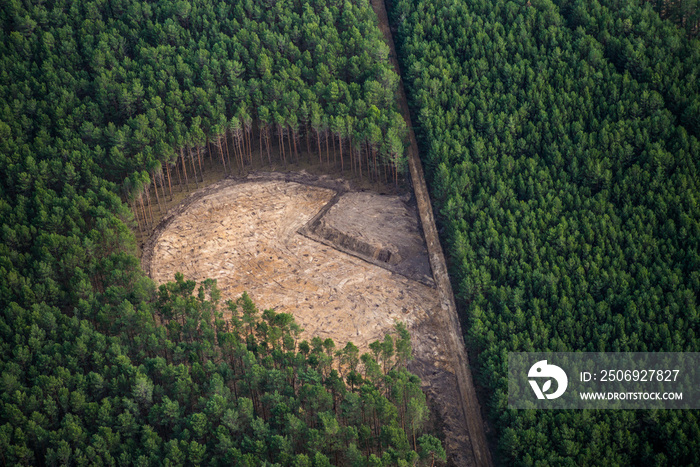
(262, 162)
(228, 154)
(384, 166)
(135, 210)
(352, 154)
(184, 169)
(369, 160)
(396, 175)
(340, 145)
(221, 153)
(374, 161)
(244, 146)
(373, 155)
(267, 144)
(177, 169)
(294, 139)
(328, 154)
(289, 140)
(162, 184)
(199, 158)
(239, 146)
(148, 198)
(359, 160)
(246, 134)
(237, 151)
(236, 135)
(143, 210)
(250, 143)
(194, 167)
(308, 144)
(335, 153)
(280, 135)
(155, 187)
(170, 187)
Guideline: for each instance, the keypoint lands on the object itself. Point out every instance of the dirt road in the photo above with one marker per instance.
(452, 333)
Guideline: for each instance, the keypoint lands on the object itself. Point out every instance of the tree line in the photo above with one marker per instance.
(566, 188)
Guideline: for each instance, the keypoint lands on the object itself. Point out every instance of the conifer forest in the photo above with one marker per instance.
(560, 145)
(559, 140)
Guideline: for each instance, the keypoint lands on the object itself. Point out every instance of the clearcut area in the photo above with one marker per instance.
(245, 234)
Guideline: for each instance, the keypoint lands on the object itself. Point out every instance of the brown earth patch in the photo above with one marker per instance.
(382, 230)
(245, 234)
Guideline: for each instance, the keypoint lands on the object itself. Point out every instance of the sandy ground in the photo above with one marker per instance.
(245, 235)
(388, 225)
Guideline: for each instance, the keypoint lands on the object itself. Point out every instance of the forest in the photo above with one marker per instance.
(106, 105)
(173, 383)
(561, 151)
(560, 140)
(149, 89)
(683, 13)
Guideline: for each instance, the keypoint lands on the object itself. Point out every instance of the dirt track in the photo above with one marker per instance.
(447, 321)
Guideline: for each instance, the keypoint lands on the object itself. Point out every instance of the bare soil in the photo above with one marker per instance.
(245, 234)
(394, 241)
